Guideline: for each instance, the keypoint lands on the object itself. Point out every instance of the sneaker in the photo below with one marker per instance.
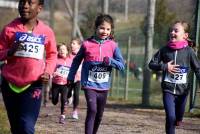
(70, 100)
(62, 119)
(75, 115)
(179, 123)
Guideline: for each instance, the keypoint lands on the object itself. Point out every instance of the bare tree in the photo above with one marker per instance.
(51, 17)
(75, 18)
(126, 10)
(71, 15)
(105, 6)
(148, 52)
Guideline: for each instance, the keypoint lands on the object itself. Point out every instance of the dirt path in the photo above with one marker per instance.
(117, 119)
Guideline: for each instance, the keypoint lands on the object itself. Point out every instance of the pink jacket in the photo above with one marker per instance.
(23, 70)
(64, 64)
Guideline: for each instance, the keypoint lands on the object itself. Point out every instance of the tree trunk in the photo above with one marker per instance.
(75, 18)
(126, 10)
(105, 5)
(148, 52)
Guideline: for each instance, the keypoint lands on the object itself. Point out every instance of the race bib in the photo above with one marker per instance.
(62, 71)
(32, 46)
(178, 78)
(99, 74)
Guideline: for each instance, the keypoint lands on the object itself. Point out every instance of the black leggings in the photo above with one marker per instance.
(76, 88)
(96, 101)
(59, 89)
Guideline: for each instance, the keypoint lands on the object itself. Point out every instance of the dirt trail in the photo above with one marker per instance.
(117, 119)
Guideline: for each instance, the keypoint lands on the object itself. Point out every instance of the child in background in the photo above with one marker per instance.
(176, 60)
(59, 81)
(100, 54)
(75, 87)
(23, 43)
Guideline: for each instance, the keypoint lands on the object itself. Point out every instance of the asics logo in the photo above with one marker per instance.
(26, 37)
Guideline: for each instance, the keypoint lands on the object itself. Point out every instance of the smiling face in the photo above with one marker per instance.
(104, 30)
(178, 33)
(62, 51)
(29, 9)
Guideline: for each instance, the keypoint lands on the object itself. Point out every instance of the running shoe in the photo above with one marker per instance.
(75, 115)
(62, 119)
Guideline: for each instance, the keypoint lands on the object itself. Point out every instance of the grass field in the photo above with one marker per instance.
(4, 129)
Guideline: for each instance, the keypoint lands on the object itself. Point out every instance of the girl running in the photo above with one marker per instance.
(23, 43)
(75, 87)
(176, 60)
(100, 54)
(59, 81)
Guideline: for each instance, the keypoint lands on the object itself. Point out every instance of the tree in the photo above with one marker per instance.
(75, 18)
(148, 52)
(87, 23)
(105, 5)
(163, 20)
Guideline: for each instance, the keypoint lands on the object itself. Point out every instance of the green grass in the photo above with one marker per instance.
(135, 95)
(4, 124)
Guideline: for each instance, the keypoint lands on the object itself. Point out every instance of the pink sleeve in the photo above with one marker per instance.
(51, 53)
(5, 39)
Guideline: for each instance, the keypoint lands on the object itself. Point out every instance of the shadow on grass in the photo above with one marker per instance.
(132, 106)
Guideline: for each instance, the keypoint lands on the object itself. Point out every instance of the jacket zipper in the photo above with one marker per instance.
(100, 52)
(176, 52)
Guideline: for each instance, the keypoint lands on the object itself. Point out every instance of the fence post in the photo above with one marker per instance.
(113, 82)
(127, 69)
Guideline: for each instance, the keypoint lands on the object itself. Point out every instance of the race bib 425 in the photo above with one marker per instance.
(32, 46)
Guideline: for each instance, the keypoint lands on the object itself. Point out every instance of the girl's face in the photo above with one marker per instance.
(29, 9)
(75, 46)
(178, 33)
(104, 30)
(62, 51)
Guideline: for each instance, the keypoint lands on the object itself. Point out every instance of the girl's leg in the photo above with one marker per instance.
(11, 103)
(55, 93)
(63, 99)
(169, 106)
(91, 100)
(180, 107)
(101, 102)
(23, 108)
(30, 107)
(76, 95)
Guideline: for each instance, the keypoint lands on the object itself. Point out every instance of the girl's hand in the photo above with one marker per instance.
(172, 68)
(106, 60)
(16, 46)
(45, 77)
(69, 83)
(55, 74)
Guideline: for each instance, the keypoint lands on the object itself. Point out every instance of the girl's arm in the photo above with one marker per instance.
(117, 61)
(156, 64)
(75, 64)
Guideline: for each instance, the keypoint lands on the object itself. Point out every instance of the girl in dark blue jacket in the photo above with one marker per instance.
(175, 60)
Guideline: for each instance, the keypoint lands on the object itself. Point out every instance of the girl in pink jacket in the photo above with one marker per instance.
(59, 81)
(75, 87)
(29, 48)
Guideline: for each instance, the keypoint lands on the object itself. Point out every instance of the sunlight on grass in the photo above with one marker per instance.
(4, 124)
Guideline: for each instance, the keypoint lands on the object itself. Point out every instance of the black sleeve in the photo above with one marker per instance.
(195, 63)
(156, 63)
